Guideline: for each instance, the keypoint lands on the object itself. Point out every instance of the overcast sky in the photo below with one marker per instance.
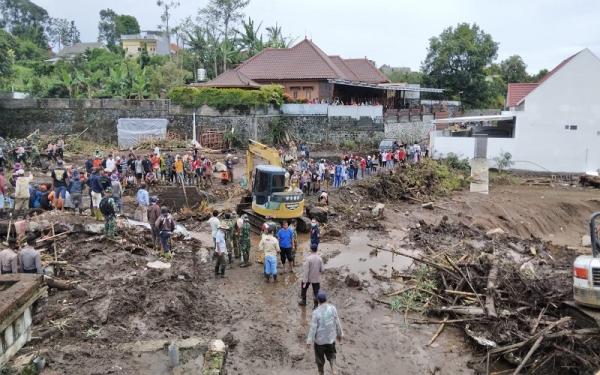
(393, 32)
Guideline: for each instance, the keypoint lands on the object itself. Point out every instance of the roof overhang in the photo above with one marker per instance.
(383, 86)
(461, 120)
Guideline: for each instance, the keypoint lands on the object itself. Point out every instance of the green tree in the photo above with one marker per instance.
(275, 38)
(164, 78)
(541, 74)
(112, 25)
(456, 61)
(144, 58)
(24, 19)
(140, 84)
(513, 69)
(224, 14)
(126, 24)
(249, 38)
(107, 27)
(167, 7)
(7, 59)
(63, 33)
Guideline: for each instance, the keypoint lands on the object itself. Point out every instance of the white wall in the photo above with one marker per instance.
(354, 111)
(464, 147)
(571, 96)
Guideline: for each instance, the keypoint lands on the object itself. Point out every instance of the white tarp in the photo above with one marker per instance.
(131, 131)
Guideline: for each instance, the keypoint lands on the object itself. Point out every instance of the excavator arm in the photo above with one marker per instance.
(269, 154)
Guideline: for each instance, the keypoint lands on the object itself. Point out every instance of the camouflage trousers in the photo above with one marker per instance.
(244, 247)
(110, 226)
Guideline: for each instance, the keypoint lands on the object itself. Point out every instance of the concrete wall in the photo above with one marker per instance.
(464, 147)
(18, 118)
(15, 336)
(408, 132)
(544, 138)
(568, 97)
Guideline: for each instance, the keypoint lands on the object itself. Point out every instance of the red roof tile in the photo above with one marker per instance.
(229, 79)
(303, 61)
(517, 91)
(366, 71)
(341, 64)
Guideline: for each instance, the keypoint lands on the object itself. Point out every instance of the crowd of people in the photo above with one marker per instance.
(312, 176)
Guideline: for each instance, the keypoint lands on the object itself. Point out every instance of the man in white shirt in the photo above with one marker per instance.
(221, 250)
(214, 223)
(325, 328)
(110, 163)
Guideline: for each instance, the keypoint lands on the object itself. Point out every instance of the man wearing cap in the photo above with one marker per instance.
(109, 210)
(29, 258)
(221, 250)
(153, 215)
(244, 244)
(59, 182)
(325, 328)
(311, 275)
(270, 247)
(22, 190)
(165, 225)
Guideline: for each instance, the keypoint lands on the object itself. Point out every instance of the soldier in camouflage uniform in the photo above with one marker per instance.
(110, 218)
(235, 232)
(229, 235)
(244, 245)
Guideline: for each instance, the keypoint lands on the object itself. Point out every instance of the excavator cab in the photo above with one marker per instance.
(269, 197)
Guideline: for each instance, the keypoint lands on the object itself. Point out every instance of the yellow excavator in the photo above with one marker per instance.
(268, 197)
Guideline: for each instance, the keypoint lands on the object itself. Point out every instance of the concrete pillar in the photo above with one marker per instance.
(9, 336)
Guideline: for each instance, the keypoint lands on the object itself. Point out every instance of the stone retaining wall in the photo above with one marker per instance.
(20, 117)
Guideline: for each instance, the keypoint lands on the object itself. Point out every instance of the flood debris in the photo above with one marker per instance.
(509, 308)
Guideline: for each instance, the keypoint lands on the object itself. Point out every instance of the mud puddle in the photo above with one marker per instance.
(358, 257)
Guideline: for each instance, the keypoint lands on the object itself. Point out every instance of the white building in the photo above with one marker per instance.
(553, 125)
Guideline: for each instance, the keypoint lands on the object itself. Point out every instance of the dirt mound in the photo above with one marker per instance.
(424, 180)
(505, 293)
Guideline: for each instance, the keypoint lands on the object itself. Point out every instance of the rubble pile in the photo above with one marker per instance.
(507, 296)
(421, 181)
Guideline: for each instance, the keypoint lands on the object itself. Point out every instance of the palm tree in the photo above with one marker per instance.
(276, 38)
(249, 39)
(67, 80)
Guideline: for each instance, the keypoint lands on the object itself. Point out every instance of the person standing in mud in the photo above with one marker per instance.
(315, 233)
(230, 224)
(221, 250)
(270, 247)
(108, 208)
(245, 241)
(325, 328)
(285, 236)
(153, 215)
(311, 275)
(165, 225)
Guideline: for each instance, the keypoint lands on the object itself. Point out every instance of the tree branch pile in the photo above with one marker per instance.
(506, 295)
(425, 180)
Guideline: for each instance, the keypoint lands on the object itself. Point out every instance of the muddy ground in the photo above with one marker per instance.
(94, 332)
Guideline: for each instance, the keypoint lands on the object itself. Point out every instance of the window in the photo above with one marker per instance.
(295, 91)
(307, 92)
(570, 127)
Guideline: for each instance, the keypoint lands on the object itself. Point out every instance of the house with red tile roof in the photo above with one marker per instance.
(307, 73)
(553, 125)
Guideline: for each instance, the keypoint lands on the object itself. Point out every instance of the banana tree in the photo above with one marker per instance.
(140, 84)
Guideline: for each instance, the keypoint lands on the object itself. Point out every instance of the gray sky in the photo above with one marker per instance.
(394, 32)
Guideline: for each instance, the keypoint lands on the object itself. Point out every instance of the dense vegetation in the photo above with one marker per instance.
(462, 59)
(222, 99)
